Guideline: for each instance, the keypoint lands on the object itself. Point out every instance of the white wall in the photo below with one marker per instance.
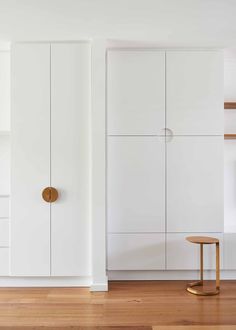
(230, 145)
(166, 22)
(170, 23)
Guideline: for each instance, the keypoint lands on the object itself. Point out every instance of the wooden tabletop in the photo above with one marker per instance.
(202, 239)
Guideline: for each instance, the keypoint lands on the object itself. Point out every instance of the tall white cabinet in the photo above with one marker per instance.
(164, 156)
(4, 160)
(50, 147)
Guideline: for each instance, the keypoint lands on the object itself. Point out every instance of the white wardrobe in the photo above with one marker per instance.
(164, 156)
(50, 148)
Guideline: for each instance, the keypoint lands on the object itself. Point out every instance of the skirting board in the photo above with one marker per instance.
(56, 281)
(8, 281)
(168, 275)
(99, 286)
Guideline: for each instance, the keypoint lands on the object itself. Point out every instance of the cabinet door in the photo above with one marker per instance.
(229, 185)
(70, 94)
(5, 91)
(183, 255)
(136, 184)
(30, 161)
(135, 92)
(4, 164)
(195, 184)
(4, 261)
(4, 207)
(136, 251)
(4, 233)
(229, 251)
(194, 92)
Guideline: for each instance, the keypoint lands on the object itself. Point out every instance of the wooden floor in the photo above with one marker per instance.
(158, 305)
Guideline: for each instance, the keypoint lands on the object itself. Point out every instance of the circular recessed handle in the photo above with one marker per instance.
(50, 194)
(169, 135)
(166, 132)
(169, 132)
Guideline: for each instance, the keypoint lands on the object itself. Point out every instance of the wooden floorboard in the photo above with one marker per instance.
(129, 305)
(195, 327)
(159, 327)
(78, 328)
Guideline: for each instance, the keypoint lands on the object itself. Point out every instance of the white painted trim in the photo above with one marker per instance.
(102, 286)
(168, 275)
(160, 49)
(81, 41)
(5, 46)
(148, 44)
(10, 281)
(98, 165)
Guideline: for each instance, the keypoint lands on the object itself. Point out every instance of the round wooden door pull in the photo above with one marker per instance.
(50, 194)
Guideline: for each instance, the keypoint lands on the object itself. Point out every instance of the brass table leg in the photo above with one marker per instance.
(201, 262)
(218, 267)
(190, 287)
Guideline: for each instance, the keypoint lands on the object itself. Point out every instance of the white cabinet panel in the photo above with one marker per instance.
(181, 254)
(195, 184)
(4, 207)
(135, 92)
(4, 91)
(229, 75)
(230, 185)
(229, 251)
(230, 123)
(4, 164)
(4, 232)
(4, 261)
(136, 184)
(70, 94)
(136, 251)
(194, 87)
(30, 224)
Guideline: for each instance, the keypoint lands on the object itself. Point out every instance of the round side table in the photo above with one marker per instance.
(205, 240)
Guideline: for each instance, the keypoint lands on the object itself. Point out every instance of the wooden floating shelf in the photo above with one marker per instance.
(230, 136)
(230, 105)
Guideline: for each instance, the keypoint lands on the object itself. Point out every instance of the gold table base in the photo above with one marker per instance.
(191, 286)
(201, 292)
